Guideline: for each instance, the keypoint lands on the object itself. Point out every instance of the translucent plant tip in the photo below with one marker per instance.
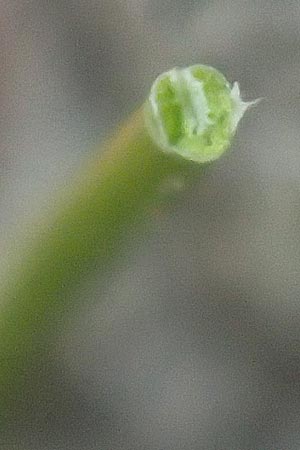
(194, 112)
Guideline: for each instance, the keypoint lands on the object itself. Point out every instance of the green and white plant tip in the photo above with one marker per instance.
(194, 112)
(191, 115)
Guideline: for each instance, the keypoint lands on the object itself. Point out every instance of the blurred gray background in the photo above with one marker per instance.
(194, 341)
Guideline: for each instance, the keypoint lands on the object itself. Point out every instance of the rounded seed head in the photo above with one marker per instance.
(194, 112)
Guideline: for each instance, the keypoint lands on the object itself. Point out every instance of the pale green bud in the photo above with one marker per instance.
(194, 112)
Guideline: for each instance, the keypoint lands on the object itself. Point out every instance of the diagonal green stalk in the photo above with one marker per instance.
(89, 225)
(112, 195)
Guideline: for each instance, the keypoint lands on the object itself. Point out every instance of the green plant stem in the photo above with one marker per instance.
(87, 227)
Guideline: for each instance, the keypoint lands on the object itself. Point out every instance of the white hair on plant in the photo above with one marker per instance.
(197, 109)
(240, 106)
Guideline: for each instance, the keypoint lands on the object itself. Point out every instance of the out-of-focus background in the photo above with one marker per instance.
(194, 341)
